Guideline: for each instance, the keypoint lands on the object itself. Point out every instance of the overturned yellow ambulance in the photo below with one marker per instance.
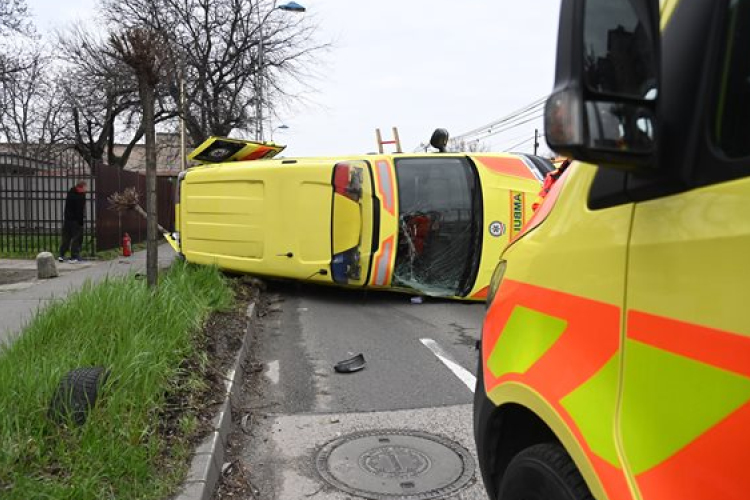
(427, 223)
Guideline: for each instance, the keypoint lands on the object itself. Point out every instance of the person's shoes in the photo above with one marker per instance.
(61, 259)
(74, 261)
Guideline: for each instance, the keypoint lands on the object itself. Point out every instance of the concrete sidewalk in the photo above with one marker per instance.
(20, 302)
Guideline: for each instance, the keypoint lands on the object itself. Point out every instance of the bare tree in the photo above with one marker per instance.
(103, 99)
(34, 111)
(14, 21)
(219, 45)
(14, 17)
(458, 145)
(147, 53)
(467, 146)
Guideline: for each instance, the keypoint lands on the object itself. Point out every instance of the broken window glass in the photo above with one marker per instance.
(439, 225)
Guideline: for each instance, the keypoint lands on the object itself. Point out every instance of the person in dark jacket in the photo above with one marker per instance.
(72, 233)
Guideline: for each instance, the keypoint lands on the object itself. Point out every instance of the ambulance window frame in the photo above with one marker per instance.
(691, 108)
(725, 166)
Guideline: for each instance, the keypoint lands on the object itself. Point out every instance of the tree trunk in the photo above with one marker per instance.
(152, 249)
(139, 210)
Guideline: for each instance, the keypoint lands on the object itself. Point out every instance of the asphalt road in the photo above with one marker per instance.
(419, 376)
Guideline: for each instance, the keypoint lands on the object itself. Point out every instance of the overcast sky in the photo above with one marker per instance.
(411, 64)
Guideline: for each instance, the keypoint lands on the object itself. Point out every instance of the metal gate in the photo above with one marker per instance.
(32, 201)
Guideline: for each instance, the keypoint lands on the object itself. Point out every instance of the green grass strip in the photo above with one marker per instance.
(143, 337)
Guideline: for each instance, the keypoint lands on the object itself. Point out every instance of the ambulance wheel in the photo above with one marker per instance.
(543, 472)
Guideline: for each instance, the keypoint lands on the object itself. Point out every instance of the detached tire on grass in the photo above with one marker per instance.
(543, 472)
(77, 394)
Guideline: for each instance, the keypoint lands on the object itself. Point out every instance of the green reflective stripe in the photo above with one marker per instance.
(592, 406)
(527, 335)
(669, 400)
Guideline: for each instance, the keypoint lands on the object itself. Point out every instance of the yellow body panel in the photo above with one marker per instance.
(688, 252)
(576, 250)
(251, 217)
(685, 376)
(347, 224)
(667, 7)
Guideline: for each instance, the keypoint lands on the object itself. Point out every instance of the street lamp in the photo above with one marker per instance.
(289, 7)
(292, 7)
(280, 127)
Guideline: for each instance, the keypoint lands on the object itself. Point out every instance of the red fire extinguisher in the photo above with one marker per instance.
(127, 250)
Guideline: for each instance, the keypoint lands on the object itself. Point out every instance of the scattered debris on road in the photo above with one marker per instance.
(351, 365)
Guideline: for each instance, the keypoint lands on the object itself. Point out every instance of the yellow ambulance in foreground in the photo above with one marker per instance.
(615, 354)
(427, 223)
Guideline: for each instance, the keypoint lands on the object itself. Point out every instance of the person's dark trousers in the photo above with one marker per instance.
(72, 235)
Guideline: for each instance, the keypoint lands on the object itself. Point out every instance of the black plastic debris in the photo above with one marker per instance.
(351, 365)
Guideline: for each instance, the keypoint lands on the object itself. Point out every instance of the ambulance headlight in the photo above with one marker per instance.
(497, 279)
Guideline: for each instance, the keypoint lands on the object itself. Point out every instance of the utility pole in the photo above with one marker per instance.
(536, 140)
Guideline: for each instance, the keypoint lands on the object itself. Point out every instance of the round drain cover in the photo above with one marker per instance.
(395, 464)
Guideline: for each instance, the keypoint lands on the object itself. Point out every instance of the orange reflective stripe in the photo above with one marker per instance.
(715, 347)
(507, 166)
(256, 154)
(381, 274)
(481, 294)
(712, 466)
(385, 185)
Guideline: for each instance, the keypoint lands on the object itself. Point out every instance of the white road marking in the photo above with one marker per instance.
(273, 371)
(459, 371)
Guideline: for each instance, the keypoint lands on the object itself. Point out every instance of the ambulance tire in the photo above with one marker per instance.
(543, 472)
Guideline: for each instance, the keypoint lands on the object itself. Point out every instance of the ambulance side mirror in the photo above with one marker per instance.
(603, 107)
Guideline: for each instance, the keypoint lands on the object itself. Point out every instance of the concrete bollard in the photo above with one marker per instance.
(45, 266)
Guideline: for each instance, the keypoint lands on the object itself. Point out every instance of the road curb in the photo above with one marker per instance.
(208, 459)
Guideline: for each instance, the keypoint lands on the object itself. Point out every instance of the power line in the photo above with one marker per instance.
(528, 139)
(537, 136)
(515, 115)
(510, 139)
(511, 126)
(525, 109)
(507, 124)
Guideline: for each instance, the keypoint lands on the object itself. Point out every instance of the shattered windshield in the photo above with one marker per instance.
(439, 225)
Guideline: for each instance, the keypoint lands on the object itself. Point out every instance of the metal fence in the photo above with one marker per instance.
(32, 200)
(33, 189)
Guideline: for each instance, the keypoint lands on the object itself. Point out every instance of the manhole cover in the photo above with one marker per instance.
(395, 464)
